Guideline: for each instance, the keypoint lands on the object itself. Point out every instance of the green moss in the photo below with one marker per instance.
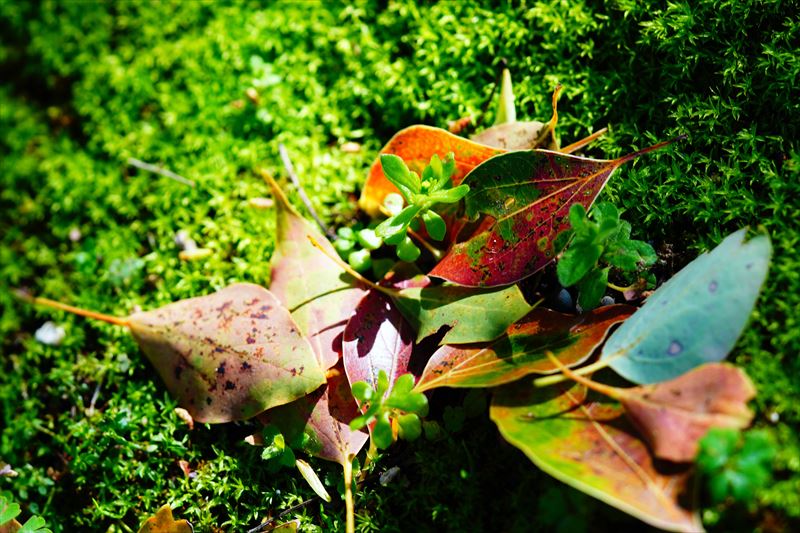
(88, 85)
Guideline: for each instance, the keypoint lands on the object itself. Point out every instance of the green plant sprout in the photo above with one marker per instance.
(597, 245)
(421, 194)
(395, 415)
(735, 465)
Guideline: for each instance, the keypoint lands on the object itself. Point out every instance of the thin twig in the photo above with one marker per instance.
(159, 170)
(287, 164)
(264, 525)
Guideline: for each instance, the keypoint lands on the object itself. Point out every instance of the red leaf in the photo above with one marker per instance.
(528, 194)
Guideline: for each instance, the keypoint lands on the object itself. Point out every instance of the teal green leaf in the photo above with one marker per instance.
(696, 316)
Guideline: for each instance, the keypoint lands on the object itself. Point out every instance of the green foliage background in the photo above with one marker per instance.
(86, 85)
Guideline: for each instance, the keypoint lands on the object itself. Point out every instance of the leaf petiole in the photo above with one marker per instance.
(558, 378)
(347, 268)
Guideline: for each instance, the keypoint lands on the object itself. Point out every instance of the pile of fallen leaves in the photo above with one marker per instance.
(325, 357)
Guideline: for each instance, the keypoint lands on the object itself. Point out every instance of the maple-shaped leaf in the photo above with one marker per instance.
(319, 423)
(674, 415)
(163, 522)
(592, 447)
(225, 356)
(521, 351)
(416, 145)
(528, 196)
(320, 298)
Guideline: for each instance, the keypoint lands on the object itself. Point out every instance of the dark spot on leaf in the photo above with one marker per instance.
(674, 348)
(250, 340)
(712, 287)
(221, 369)
(178, 371)
(246, 365)
(229, 385)
(208, 400)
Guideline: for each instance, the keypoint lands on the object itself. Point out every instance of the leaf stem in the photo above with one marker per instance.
(287, 164)
(558, 378)
(609, 391)
(657, 146)
(348, 494)
(622, 289)
(577, 145)
(71, 309)
(347, 268)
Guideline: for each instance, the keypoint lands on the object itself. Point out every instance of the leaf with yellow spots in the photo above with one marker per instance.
(528, 195)
(592, 447)
(225, 356)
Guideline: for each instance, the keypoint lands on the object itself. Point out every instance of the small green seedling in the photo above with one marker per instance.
(421, 194)
(395, 415)
(596, 246)
(735, 465)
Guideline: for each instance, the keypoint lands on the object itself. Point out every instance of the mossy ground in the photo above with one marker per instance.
(85, 86)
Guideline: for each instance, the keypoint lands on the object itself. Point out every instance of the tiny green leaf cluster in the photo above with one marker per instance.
(401, 405)
(735, 465)
(596, 246)
(420, 194)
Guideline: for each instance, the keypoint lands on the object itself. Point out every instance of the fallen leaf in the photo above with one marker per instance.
(695, 317)
(225, 356)
(591, 446)
(323, 417)
(163, 522)
(521, 351)
(514, 135)
(376, 338)
(415, 146)
(229, 355)
(320, 298)
(674, 415)
(472, 315)
(528, 194)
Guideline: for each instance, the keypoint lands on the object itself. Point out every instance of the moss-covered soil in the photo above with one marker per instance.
(85, 86)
